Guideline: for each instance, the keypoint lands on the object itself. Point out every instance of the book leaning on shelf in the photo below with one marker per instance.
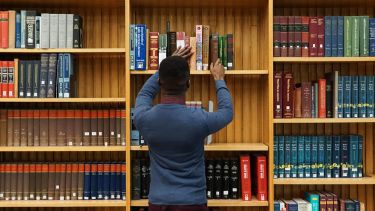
(148, 49)
(323, 36)
(318, 156)
(62, 181)
(30, 29)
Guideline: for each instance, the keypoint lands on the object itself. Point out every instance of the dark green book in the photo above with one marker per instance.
(301, 156)
(336, 158)
(287, 161)
(281, 168)
(294, 157)
(21, 79)
(349, 205)
(321, 156)
(360, 156)
(347, 36)
(364, 36)
(344, 156)
(328, 157)
(353, 156)
(355, 35)
(314, 156)
(275, 156)
(307, 166)
(362, 107)
(29, 79)
(224, 60)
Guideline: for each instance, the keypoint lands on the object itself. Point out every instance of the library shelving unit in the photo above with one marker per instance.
(306, 69)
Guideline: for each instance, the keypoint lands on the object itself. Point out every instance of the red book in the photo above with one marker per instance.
(320, 36)
(11, 91)
(288, 94)
(297, 101)
(4, 26)
(259, 176)
(306, 99)
(187, 40)
(245, 177)
(305, 36)
(278, 96)
(284, 36)
(323, 201)
(154, 51)
(322, 98)
(291, 31)
(180, 39)
(298, 36)
(4, 79)
(313, 38)
(276, 36)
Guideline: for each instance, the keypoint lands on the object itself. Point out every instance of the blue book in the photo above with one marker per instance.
(321, 156)
(354, 102)
(344, 156)
(68, 72)
(372, 36)
(132, 45)
(336, 158)
(123, 181)
(314, 200)
(281, 168)
(287, 152)
(334, 23)
(291, 205)
(113, 180)
(106, 180)
(140, 47)
(328, 157)
(118, 180)
(362, 101)
(340, 97)
(340, 36)
(60, 75)
(18, 30)
(94, 181)
(360, 156)
(327, 36)
(87, 182)
(353, 156)
(294, 156)
(100, 176)
(275, 156)
(307, 156)
(347, 96)
(314, 156)
(370, 96)
(357, 205)
(301, 156)
(276, 205)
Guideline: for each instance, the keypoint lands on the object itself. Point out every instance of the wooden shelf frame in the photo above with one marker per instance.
(63, 149)
(64, 50)
(62, 100)
(215, 203)
(63, 203)
(370, 180)
(224, 147)
(323, 59)
(322, 120)
(206, 72)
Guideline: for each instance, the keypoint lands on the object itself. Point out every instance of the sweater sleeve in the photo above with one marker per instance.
(145, 97)
(224, 115)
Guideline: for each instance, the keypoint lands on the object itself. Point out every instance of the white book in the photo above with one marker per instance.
(53, 30)
(303, 205)
(62, 30)
(69, 31)
(210, 109)
(23, 28)
(44, 30)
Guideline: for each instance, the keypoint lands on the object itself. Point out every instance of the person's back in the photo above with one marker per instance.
(175, 133)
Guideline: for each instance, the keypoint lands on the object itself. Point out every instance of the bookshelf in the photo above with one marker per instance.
(205, 72)
(216, 203)
(370, 180)
(242, 147)
(66, 204)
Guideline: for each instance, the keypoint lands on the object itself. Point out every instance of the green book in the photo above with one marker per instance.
(221, 49)
(347, 36)
(314, 200)
(224, 60)
(364, 36)
(355, 35)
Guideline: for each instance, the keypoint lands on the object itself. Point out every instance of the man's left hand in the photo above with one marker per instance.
(184, 52)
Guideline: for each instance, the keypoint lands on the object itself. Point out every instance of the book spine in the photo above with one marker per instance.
(321, 156)
(294, 157)
(44, 30)
(322, 98)
(4, 25)
(301, 156)
(123, 181)
(36, 125)
(306, 99)
(370, 96)
(218, 180)
(21, 79)
(23, 28)
(29, 79)
(68, 72)
(288, 93)
(313, 37)
(276, 36)
(287, 155)
(313, 107)
(354, 99)
(4, 79)
(281, 167)
(205, 47)
(275, 157)
(329, 96)
(225, 179)
(284, 36)
(106, 180)
(360, 156)
(340, 97)
(112, 188)
(314, 157)
(87, 182)
(199, 46)
(334, 34)
(171, 43)
(26, 184)
(18, 30)
(321, 37)
(68, 182)
(305, 36)
(136, 179)
(328, 36)
(30, 29)
(355, 35)
(44, 62)
(214, 48)
(340, 36)
(112, 128)
(261, 166)
(348, 27)
(118, 181)
(364, 36)
(362, 101)
(163, 47)
(154, 51)
(54, 31)
(94, 181)
(234, 179)
(328, 157)
(37, 31)
(132, 46)
(23, 127)
(336, 157)
(77, 32)
(30, 127)
(353, 156)
(36, 79)
(51, 181)
(140, 47)
(224, 59)
(230, 50)
(372, 37)
(278, 96)
(344, 156)
(81, 181)
(180, 39)
(347, 82)
(61, 128)
(307, 165)
(52, 127)
(60, 75)
(245, 177)
(19, 186)
(291, 30)
(69, 30)
(193, 58)
(52, 67)
(298, 36)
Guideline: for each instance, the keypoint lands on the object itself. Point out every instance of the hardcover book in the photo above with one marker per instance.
(276, 36)
(298, 36)
(288, 94)
(245, 177)
(154, 51)
(305, 36)
(284, 36)
(313, 37)
(291, 31)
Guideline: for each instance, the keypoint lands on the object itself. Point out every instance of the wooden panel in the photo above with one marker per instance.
(198, 4)
(62, 4)
(323, 3)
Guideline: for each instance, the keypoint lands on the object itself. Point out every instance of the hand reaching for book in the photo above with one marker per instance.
(217, 70)
(184, 52)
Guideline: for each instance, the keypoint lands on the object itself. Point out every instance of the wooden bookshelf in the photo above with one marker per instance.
(64, 149)
(62, 203)
(221, 147)
(323, 59)
(323, 120)
(206, 72)
(370, 180)
(215, 203)
(65, 50)
(62, 100)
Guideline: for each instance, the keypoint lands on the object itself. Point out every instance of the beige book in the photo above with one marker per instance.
(12, 29)
(193, 58)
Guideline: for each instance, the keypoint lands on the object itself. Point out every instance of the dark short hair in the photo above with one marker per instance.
(174, 75)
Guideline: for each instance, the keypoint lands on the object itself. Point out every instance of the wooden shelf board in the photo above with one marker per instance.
(323, 120)
(198, 3)
(62, 100)
(221, 147)
(215, 203)
(62, 203)
(206, 72)
(64, 149)
(62, 4)
(324, 59)
(326, 181)
(64, 50)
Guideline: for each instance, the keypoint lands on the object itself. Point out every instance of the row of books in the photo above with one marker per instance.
(334, 96)
(51, 76)
(148, 49)
(329, 36)
(320, 200)
(225, 178)
(318, 156)
(59, 127)
(62, 181)
(30, 29)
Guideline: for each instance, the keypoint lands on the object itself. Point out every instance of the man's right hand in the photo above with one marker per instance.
(217, 70)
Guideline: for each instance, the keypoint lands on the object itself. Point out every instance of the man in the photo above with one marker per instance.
(175, 134)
